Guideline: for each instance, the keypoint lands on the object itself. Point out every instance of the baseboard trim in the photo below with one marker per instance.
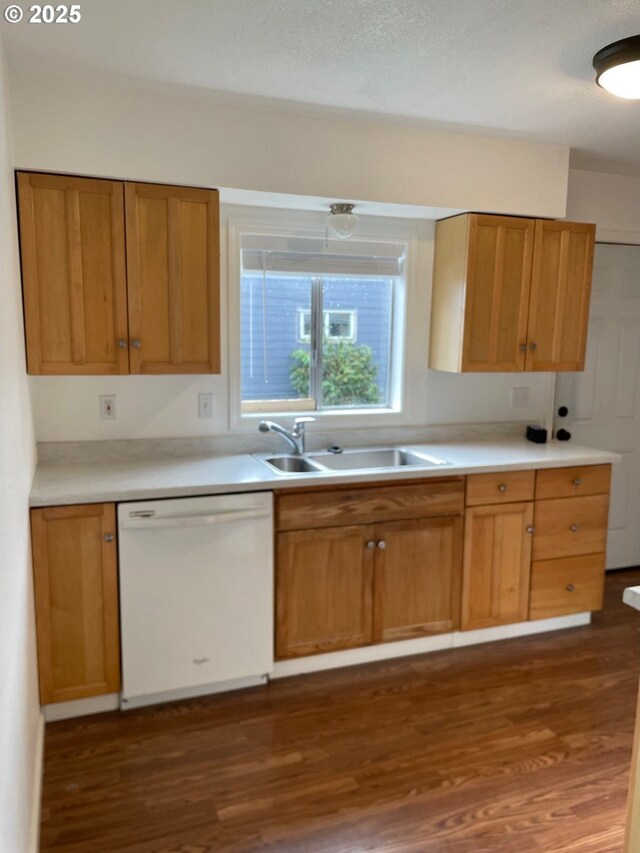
(36, 801)
(424, 645)
(81, 707)
(131, 702)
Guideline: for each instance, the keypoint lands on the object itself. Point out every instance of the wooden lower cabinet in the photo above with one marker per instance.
(497, 564)
(417, 577)
(76, 598)
(324, 590)
(567, 527)
(566, 585)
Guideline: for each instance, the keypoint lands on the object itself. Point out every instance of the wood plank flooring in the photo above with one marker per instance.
(522, 745)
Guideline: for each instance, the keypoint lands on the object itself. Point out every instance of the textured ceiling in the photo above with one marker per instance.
(517, 67)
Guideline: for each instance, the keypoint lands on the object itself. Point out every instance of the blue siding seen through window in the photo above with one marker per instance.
(270, 327)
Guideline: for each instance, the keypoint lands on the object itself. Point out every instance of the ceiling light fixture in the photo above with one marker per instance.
(342, 221)
(618, 67)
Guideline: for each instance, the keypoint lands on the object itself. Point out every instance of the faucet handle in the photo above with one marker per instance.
(305, 419)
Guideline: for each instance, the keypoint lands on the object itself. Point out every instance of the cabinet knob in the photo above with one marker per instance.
(122, 343)
(382, 544)
(371, 544)
(522, 347)
(136, 343)
(108, 537)
(573, 528)
(533, 347)
(577, 481)
(570, 587)
(502, 487)
(531, 529)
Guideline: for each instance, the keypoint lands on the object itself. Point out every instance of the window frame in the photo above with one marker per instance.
(276, 223)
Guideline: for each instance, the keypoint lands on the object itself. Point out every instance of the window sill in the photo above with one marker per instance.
(352, 419)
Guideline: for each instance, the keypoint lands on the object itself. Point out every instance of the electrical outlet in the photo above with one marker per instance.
(108, 407)
(520, 397)
(205, 405)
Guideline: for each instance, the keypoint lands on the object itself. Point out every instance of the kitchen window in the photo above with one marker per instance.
(317, 323)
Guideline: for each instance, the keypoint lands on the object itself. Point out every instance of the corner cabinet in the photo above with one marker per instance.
(510, 294)
(119, 277)
(76, 599)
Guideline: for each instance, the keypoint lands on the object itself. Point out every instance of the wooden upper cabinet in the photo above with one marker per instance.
(76, 596)
(173, 279)
(497, 295)
(560, 295)
(510, 294)
(73, 269)
(482, 278)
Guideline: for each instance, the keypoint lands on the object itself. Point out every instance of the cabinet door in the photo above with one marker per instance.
(560, 294)
(417, 577)
(173, 269)
(76, 596)
(73, 272)
(323, 590)
(497, 565)
(497, 299)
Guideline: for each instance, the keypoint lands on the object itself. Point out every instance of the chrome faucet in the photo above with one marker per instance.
(294, 438)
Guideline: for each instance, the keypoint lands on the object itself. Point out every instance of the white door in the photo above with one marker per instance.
(604, 400)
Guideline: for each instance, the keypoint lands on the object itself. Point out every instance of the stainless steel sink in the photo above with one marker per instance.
(388, 457)
(293, 464)
(367, 459)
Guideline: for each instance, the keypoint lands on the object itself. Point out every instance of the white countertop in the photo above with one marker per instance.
(57, 484)
(631, 596)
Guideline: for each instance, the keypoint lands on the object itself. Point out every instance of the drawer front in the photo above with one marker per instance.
(332, 507)
(573, 482)
(508, 487)
(570, 526)
(569, 585)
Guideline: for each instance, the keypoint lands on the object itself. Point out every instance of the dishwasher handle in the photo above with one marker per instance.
(190, 521)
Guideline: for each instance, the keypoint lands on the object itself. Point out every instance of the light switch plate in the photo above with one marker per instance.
(107, 407)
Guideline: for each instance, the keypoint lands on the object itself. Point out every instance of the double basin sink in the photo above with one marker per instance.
(323, 462)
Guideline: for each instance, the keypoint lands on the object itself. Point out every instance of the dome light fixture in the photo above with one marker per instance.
(342, 221)
(618, 67)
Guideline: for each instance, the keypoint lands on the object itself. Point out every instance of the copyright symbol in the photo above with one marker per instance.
(13, 14)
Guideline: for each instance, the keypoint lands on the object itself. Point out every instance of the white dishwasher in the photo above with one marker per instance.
(196, 595)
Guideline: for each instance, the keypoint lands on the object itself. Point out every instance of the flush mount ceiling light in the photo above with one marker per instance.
(342, 221)
(618, 67)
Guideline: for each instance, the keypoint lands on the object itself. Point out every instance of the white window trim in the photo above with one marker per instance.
(404, 361)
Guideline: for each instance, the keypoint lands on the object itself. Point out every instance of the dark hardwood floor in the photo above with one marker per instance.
(522, 745)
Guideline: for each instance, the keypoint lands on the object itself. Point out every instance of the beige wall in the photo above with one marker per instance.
(140, 134)
(20, 721)
(611, 201)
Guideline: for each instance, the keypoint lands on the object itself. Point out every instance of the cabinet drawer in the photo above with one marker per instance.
(334, 506)
(570, 526)
(569, 585)
(508, 487)
(570, 482)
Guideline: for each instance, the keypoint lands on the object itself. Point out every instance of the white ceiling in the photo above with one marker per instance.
(516, 67)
